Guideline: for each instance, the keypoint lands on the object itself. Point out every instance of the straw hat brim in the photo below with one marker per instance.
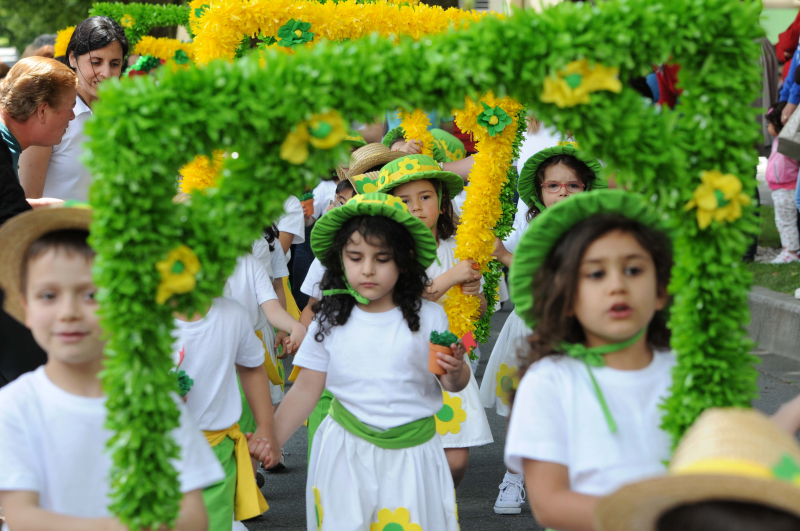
(377, 159)
(637, 507)
(17, 235)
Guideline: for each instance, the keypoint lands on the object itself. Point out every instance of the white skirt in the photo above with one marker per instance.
(504, 364)
(462, 420)
(275, 391)
(354, 485)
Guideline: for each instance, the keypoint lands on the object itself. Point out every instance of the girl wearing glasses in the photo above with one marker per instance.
(548, 177)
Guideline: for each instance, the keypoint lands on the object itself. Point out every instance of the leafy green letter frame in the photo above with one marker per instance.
(142, 133)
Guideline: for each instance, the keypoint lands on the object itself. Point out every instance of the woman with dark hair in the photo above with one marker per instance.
(95, 52)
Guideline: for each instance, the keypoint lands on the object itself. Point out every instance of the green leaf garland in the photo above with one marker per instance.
(145, 17)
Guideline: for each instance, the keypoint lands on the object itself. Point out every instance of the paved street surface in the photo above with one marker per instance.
(779, 381)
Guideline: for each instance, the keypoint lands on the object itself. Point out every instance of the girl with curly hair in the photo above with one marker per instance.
(369, 347)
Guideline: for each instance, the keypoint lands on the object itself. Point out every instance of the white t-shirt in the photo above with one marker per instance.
(458, 201)
(324, 193)
(546, 137)
(446, 254)
(293, 222)
(250, 286)
(274, 261)
(557, 418)
(377, 367)
(212, 347)
(518, 228)
(54, 443)
(312, 283)
(67, 178)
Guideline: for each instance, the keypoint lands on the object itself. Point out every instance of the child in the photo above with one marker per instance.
(54, 464)
(376, 458)
(419, 183)
(782, 179)
(538, 180)
(590, 277)
(734, 470)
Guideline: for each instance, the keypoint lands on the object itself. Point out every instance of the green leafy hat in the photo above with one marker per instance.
(373, 204)
(415, 168)
(549, 227)
(527, 176)
(446, 147)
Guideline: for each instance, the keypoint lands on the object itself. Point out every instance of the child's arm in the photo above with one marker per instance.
(788, 416)
(462, 168)
(280, 318)
(255, 385)
(308, 313)
(457, 376)
(461, 273)
(298, 403)
(553, 503)
(501, 253)
(277, 285)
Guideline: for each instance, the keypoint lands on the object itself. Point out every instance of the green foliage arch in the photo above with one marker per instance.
(145, 17)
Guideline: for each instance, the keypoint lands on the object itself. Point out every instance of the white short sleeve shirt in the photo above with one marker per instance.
(67, 178)
(250, 286)
(312, 284)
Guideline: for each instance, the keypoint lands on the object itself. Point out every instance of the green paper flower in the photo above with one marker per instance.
(494, 119)
(181, 57)
(295, 33)
(184, 382)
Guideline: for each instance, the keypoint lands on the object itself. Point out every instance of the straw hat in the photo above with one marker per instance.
(18, 233)
(728, 454)
(371, 155)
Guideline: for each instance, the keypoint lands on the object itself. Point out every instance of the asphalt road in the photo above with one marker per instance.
(779, 381)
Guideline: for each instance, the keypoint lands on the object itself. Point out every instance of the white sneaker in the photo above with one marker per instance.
(786, 257)
(512, 494)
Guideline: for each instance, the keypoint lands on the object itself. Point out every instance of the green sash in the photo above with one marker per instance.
(405, 436)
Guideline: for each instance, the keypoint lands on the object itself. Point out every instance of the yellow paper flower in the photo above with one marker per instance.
(572, 85)
(162, 47)
(323, 131)
(415, 127)
(127, 21)
(450, 417)
(719, 197)
(318, 508)
(201, 173)
(507, 381)
(178, 272)
(62, 41)
(399, 520)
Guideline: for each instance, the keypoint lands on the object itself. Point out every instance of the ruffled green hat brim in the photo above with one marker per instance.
(549, 227)
(526, 185)
(373, 204)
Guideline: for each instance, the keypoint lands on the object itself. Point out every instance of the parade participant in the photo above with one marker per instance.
(590, 277)
(95, 52)
(419, 182)
(369, 345)
(547, 178)
(55, 464)
(734, 470)
(781, 177)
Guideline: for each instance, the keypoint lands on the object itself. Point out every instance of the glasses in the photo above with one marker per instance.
(336, 203)
(573, 187)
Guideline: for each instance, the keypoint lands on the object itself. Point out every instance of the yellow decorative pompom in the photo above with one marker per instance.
(415, 127)
(450, 417)
(572, 85)
(323, 131)
(318, 508)
(62, 41)
(399, 520)
(127, 21)
(201, 173)
(719, 197)
(507, 380)
(162, 47)
(178, 272)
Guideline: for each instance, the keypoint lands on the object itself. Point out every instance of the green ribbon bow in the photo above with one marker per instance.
(593, 357)
(349, 291)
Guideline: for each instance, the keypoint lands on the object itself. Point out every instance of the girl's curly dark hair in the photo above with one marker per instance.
(556, 285)
(582, 171)
(335, 310)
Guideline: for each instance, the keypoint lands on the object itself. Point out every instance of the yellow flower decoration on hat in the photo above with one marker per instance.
(127, 21)
(507, 381)
(719, 197)
(318, 508)
(561, 143)
(399, 520)
(364, 184)
(323, 131)
(572, 85)
(390, 200)
(450, 417)
(178, 272)
(62, 41)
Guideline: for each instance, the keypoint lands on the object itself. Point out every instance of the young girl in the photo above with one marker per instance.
(782, 179)
(376, 458)
(590, 276)
(547, 178)
(418, 181)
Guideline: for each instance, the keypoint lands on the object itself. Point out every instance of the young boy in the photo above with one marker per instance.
(54, 465)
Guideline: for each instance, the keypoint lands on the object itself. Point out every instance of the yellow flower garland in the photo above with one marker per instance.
(415, 126)
(224, 23)
(201, 173)
(481, 210)
(162, 48)
(62, 41)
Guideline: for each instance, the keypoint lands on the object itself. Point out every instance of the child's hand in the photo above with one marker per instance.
(412, 147)
(471, 288)
(453, 365)
(463, 272)
(292, 343)
(278, 342)
(259, 446)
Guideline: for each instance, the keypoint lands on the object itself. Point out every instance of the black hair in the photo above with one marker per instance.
(582, 171)
(726, 515)
(71, 241)
(270, 234)
(774, 116)
(344, 185)
(335, 310)
(95, 33)
(447, 223)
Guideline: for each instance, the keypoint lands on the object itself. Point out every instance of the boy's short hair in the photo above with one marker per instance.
(343, 185)
(71, 241)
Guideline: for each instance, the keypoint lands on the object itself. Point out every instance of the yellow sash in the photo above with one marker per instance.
(272, 371)
(249, 502)
(291, 305)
